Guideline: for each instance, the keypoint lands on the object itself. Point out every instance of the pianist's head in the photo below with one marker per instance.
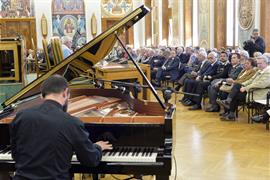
(56, 88)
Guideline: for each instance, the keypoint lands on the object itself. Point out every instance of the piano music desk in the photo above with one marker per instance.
(123, 72)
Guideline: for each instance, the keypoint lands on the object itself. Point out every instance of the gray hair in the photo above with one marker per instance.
(244, 53)
(264, 58)
(214, 54)
(66, 39)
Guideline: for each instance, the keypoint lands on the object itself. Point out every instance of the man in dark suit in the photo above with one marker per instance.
(255, 44)
(44, 137)
(155, 63)
(200, 84)
(170, 67)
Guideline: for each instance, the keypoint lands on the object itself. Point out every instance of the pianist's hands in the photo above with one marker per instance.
(104, 145)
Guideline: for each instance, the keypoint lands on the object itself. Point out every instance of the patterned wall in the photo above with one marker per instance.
(115, 8)
(16, 8)
(68, 19)
(204, 26)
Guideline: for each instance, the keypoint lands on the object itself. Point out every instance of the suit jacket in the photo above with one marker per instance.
(244, 77)
(156, 61)
(234, 71)
(261, 82)
(211, 70)
(172, 67)
(222, 71)
(203, 68)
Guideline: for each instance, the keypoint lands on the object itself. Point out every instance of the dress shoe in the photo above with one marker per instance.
(177, 88)
(263, 118)
(183, 100)
(212, 109)
(195, 107)
(229, 117)
(188, 103)
(225, 113)
(224, 103)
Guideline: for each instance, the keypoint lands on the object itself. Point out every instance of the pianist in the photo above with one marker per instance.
(44, 137)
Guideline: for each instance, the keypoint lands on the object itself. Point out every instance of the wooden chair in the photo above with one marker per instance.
(57, 50)
(46, 54)
(41, 68)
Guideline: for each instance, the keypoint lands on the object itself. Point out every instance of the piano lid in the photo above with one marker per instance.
(84, 58)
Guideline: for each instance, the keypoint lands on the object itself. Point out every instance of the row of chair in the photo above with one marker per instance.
(57, 53)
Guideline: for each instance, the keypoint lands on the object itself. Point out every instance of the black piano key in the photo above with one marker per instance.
(138, 151)
(147, 151)
(111, 152)
(115, 151)
(129, 151)
(134, 151)
(121, 151)
(144, 152)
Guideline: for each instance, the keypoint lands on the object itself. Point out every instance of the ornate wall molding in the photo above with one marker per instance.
(204, 23)
(246, 13)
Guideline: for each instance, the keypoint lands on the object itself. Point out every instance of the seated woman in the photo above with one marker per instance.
(260, 81)
(222, 91)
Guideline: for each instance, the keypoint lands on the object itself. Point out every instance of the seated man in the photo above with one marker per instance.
(260, 81)
(198, 85)
(156, 62)
(66, 46)
(197, 66)
(233, 71)
(170, 67)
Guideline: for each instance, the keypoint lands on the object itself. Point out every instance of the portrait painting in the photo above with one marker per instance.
(68, 19)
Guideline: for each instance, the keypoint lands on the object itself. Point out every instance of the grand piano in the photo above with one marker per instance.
(140, 131)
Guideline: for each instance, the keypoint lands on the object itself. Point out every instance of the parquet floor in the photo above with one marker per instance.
(206, 148)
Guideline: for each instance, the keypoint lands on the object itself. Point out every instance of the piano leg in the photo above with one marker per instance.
(160, 177)
(95, 176)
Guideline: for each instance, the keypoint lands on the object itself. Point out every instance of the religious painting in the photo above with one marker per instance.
(16, 8)
(68, 19)
(204, 24)
(116, 8)
(246, 9)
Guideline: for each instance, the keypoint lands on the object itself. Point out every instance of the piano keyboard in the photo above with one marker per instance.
(123, 154)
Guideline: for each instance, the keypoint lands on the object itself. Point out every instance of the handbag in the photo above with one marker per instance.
(226, 88)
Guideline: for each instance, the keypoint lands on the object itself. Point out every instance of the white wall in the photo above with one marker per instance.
(139, 27)
(92, 6)
(181, 22)
(42, 7)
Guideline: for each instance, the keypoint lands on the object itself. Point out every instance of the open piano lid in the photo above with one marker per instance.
(90, 54)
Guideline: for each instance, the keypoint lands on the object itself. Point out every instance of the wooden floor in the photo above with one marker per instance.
(206, 148)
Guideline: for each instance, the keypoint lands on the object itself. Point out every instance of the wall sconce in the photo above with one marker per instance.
(93, 25)
(44, 26)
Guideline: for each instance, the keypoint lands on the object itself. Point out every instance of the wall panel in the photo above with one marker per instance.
(265, 25)
(220, 23)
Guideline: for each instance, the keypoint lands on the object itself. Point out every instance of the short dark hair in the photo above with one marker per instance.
(237, 54)
(252, 62)
(55, 84)
(224, 52)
